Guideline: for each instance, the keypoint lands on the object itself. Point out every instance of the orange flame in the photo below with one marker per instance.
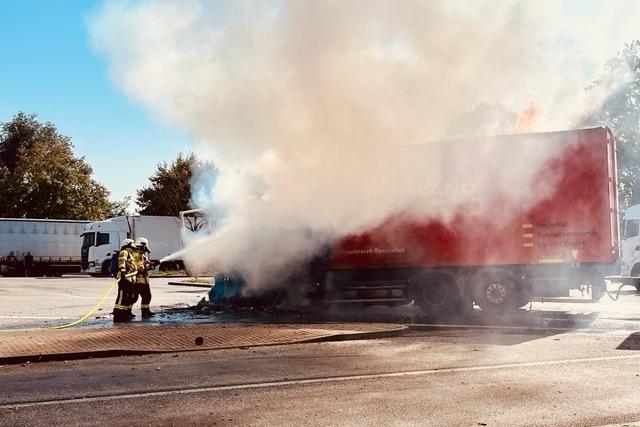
(526, 120)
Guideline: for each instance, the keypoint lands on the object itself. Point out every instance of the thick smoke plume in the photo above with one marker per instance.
(308, 107)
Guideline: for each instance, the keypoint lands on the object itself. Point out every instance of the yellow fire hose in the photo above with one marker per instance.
(90, 312)
(75, 322)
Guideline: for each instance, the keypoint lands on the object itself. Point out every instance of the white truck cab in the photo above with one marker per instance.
(630, 254)
(101, 239)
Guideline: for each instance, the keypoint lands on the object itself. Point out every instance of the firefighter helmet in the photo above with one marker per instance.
(127, 242)
(142, 243)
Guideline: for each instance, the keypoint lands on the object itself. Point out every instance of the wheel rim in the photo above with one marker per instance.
(496, 293)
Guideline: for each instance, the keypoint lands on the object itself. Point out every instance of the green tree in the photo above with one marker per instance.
(170, 190)
(119, 208)
(41, 178)
(620, 111)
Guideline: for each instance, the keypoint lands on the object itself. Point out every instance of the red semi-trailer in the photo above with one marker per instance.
(497, 257)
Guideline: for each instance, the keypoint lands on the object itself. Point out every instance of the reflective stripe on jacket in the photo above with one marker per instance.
(127, 262)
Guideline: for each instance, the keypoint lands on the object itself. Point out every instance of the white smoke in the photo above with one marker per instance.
(307, 106)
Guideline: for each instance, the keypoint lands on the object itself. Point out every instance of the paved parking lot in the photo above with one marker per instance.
(28, 302)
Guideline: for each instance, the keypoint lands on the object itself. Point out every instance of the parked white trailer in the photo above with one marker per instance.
(53, 243)
(100, 240)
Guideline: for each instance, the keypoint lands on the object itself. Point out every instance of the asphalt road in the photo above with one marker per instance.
(564, 363)
(451, 377)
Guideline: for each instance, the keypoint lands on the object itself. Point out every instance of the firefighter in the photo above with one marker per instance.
(127, 271)
(142, 278)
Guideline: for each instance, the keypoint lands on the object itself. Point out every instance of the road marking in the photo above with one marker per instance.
(305, 381)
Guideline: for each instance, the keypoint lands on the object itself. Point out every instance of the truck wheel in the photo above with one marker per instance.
(435, 294)
(635, 272)
(104, 270)
(496, 293)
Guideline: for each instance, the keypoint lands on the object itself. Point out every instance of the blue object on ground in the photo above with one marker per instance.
(226, 287)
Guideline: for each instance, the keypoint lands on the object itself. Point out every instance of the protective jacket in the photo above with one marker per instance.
(141, 261)
(142, 281)
(127, 262)
(126, 285)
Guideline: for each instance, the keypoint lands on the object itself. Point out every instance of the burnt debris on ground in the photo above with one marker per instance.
(265, 311)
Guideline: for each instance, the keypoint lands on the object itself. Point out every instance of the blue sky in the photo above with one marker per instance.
(47, 67)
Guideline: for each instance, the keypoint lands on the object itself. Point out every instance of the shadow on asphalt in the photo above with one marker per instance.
(484, 337)
(632, 342)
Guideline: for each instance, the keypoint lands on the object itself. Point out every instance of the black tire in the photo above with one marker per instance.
(497, 293)
(436, 294)
(104, 270)
(635, 272)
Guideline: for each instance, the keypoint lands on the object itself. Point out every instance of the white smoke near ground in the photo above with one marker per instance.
(307, 107)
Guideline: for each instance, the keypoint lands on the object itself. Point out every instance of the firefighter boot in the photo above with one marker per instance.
(120, 316)
(146, 313)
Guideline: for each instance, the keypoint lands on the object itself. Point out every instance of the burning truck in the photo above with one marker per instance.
(568, 238)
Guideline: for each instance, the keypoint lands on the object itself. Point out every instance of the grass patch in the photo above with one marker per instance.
(167, 273)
